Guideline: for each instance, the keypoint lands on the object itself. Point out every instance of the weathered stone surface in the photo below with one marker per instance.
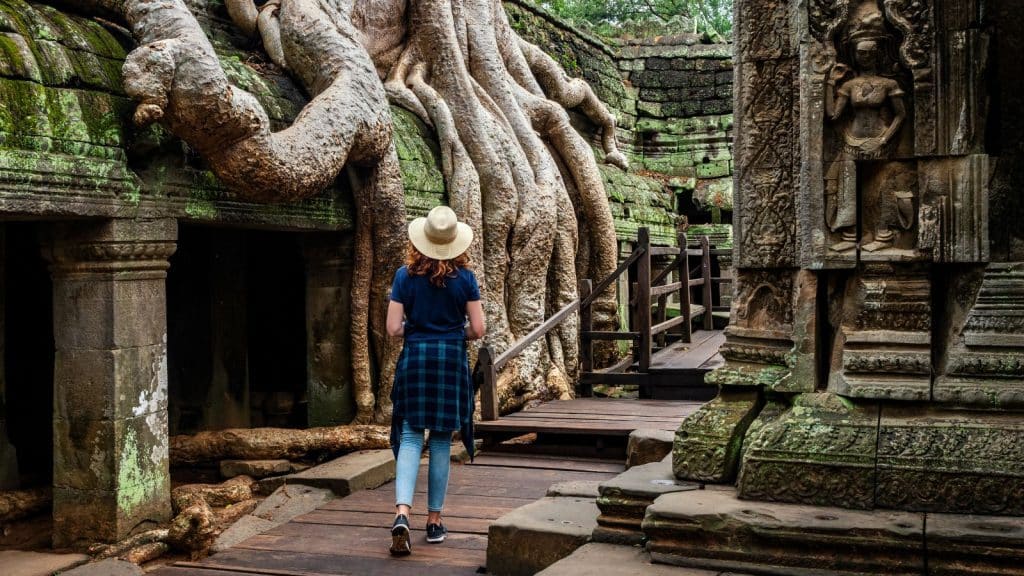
(350, 473)
(707, 444)
(575, 488)
(820, 451)
(598, 558)
(950, 461)
(254, 468)
(110, 377)
(623, 500)
(23, 563)
(532, 537)
(985, 364)
(329, 389)
(648, 445)
(246, 527)
(108, 567)
(716, 530)
(971, 545)
(883, 347)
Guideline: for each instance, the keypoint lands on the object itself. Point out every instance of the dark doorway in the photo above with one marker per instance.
(236, 330)
(29, 353)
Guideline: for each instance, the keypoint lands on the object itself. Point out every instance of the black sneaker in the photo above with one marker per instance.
(436, 533)
(400, 542)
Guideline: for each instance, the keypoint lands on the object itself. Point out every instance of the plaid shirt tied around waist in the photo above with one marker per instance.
(433, 390)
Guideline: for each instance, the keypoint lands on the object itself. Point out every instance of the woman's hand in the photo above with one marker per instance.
(475, 329)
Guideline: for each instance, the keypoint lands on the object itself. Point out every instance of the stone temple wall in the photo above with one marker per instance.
(673, 102)
(875, 355)
(113, 214)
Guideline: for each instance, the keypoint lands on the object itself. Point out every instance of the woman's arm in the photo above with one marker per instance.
(395, 322)
(475, 329)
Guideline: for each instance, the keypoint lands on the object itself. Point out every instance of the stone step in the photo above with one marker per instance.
(648, 445)
(713, 529)
(612, 560)
(350, 473)
(623, 500)
(22, 563)
(535, 536)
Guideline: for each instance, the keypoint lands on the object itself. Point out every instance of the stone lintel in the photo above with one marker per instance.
(717, 530)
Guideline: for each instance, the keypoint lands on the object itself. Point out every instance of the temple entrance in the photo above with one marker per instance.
(27, 361)
(236, 330)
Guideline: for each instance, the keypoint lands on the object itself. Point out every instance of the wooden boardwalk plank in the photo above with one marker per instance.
(351, 535)
(681, 357)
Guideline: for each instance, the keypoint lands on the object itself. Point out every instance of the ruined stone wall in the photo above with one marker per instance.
(673, 102)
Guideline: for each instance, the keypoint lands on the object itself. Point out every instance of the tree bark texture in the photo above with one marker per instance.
(514, 168)
(275, 443)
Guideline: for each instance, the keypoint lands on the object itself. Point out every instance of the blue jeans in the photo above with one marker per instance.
(407, 467)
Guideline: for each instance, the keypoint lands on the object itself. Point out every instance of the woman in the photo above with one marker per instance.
(433, 293)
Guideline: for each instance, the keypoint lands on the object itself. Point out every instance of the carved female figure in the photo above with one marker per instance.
(868, 110)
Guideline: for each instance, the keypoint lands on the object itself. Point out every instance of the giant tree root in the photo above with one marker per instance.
(18, 504)
(274, 443)
(196, 525)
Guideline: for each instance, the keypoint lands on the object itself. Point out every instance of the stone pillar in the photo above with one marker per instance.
(329, 391)
(110, 471)
(8, 455)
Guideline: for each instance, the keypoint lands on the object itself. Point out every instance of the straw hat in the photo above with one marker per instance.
(440, 235)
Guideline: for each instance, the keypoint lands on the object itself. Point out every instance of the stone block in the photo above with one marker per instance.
(648, 445)
(350, 473)
(25, 563)
(623, 500)
(110, 384)
(533, 537)
(972, 545)
(254, 468)
(821, 451)
(108, 516)
(612, 560)
(111, 454)
(575, 488)
(950, 461)
(101, 311)
(714, 529)
(707, 444)
(246, 527)
(108, 567)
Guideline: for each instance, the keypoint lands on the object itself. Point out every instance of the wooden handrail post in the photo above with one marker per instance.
(586, 344)
(489, 386)
(683, 270)
(643, 298)
(705, 266)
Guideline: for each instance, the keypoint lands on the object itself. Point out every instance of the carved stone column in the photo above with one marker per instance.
(8, 454)
(110, 472)
(328, 301)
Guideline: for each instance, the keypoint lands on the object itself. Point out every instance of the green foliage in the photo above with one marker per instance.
(624, 18)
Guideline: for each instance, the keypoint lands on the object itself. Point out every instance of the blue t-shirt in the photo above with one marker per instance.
(433, 313)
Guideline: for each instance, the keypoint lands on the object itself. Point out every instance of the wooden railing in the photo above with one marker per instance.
(645, 324)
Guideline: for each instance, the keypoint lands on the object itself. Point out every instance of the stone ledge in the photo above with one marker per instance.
(624, 500)
(716, 530)
(532, 537)
(350, 473)
(20, 563)
(648, 445)
(611, 560)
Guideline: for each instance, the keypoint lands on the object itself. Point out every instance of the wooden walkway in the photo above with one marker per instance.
(677, 370)
(351, 535)
(583, 426)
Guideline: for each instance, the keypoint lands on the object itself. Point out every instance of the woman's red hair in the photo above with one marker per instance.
(438, 271)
